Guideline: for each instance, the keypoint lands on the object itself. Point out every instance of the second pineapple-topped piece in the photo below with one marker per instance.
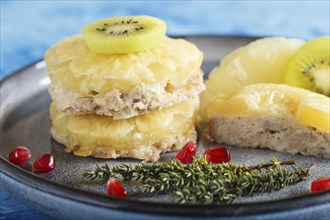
(274, 116)
(126, 34)
(246, 104)
(127, 84)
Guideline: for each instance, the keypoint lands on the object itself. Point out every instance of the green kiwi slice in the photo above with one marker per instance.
(126, 34)
(309, 67)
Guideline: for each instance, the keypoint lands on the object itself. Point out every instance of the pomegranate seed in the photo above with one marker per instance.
(217, 154)
(44, 163)
(187, 153)
(19, 155)
(322, 183)
(114, 188)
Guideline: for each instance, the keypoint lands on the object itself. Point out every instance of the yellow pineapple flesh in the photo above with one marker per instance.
(262, 61)
(278, 100)
(73, 66)
(311, 114)
(91, 131)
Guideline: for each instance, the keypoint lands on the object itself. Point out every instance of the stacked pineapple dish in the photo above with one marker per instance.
(125, 89)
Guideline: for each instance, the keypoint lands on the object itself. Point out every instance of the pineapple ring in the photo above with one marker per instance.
(261, 61)
(72, 65)
(279, 100)
(85, 135)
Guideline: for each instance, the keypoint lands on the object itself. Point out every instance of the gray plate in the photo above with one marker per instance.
(24, 121)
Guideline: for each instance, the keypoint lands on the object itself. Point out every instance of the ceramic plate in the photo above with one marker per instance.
(64, 192)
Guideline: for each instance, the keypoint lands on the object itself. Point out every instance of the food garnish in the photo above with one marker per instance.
(114, 188)
(320, 184)
(126, 34)
(217, 154)
(309, 67)
(187, 153)
(44, 163)
(19, 155)
(202, 182)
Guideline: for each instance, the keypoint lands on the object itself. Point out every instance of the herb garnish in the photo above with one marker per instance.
(202, 182)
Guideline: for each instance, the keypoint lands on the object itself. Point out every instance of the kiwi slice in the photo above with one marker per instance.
(126, 34)
(309, 67)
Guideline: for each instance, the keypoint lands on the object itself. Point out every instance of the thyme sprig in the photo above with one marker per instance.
(226, 190)
(202, 182)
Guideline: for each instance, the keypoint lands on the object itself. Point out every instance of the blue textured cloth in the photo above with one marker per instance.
(28, 28)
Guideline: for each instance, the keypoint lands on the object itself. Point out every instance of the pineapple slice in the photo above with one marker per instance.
(279, 100)
(91, 131)
(72, 65)
(262, 61)
(314, 116)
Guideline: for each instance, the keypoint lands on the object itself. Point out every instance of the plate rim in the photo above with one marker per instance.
(153, 207)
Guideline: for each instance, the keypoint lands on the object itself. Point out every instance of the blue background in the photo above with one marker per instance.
(28, 28)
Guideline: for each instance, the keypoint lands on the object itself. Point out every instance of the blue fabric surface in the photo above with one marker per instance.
(28, 28)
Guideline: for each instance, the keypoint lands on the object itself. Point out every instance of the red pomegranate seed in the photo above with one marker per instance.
(114, 188)
(322, 183)
(19, 155)
(217, 154)
(187, 153)
(44, 163)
